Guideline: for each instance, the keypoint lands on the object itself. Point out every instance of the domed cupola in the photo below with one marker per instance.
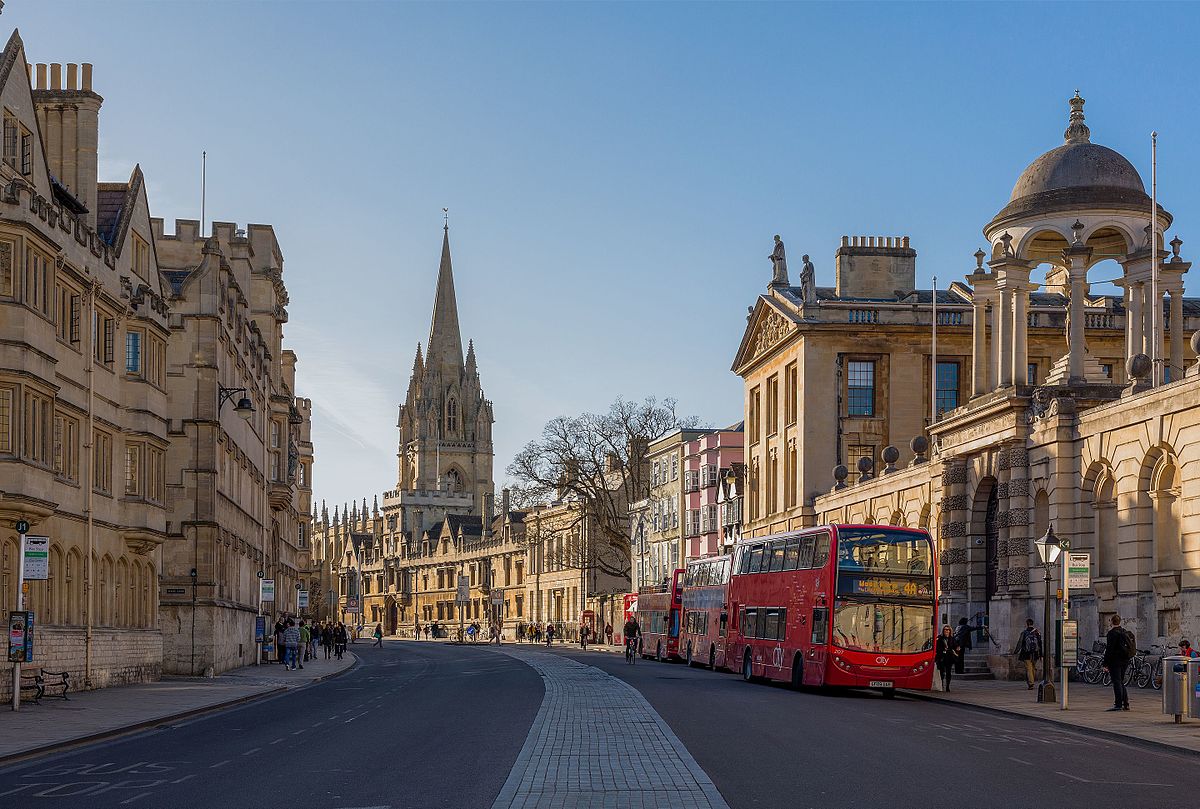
(1077, 181)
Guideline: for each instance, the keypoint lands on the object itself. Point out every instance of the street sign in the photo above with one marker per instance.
(267, 590)
(1079, 571)
(37, 558)
(463, 595)
(497, 598)
(22, 526)
(16, 636)
(1070, 643)
(302, 600)
(260, 628)
(352, 606)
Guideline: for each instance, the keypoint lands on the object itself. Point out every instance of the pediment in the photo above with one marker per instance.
(770, 324)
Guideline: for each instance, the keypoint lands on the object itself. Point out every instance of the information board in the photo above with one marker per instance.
(268, 590)
(1079, 570)
(260, 628)
(302, 599)
(37, 558)
(463, 595)
(16, 637)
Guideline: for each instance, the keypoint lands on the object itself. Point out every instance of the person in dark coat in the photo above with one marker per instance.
(279, 628)
(1116, 660)
(962, 637)
(946, 653)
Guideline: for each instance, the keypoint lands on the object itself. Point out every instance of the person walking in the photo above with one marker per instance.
(1119, 649)
(280, 626)
(305, 642)
(962, 639)
(339, 640)
(549, 634)
(327, 639)
(1029, 651)
(495, 634)
(946, 654)
(608, 633)
(291, 643)
(378, 635)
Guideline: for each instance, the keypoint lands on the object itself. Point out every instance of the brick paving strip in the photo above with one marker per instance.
(596, 743)
(1145, 721)
(105, 712)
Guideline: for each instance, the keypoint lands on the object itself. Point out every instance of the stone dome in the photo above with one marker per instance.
(1079, 174)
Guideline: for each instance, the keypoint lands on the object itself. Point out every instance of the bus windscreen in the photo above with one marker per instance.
(878, 550)
(882, 627)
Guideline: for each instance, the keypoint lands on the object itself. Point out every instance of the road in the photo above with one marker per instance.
(435, 725)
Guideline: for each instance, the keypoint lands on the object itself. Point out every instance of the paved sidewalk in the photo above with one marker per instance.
(1144, 720)
(109, 711)
(596, 743)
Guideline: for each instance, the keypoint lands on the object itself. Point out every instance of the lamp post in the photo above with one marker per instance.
(1048, 547)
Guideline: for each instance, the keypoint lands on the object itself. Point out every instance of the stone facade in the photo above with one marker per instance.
(1030, 429)
(105, 382)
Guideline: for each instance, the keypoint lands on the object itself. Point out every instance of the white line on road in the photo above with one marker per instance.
(135, 797)
(351, 719)
(277, 741)
(298, 732)
(184, 778)
(251, 751)
(1021, 761)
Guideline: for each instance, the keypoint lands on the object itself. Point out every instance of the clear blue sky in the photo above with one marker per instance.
(614, 172)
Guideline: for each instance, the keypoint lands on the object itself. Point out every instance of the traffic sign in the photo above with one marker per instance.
(302, 600)
(267, 590)
(22, 526)
(463, 596)
(497, 598)
(1079, 571)
(37, 558)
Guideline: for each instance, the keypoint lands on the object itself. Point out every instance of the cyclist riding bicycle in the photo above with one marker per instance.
(633, 637)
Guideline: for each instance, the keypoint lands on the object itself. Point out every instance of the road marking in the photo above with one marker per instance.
(298, 732)
(184, 778)
(277, 741)
(220, 764)
(351, 719)
(251, 751)
(1021, 761)
(135, 797)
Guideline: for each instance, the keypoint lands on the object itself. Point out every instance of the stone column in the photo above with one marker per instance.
(1177, 369)
(953, 535)
(1002, 331)
(1020, 360)
(983, 378)
(1077, 257)
(1136, 338)
(1020, 522)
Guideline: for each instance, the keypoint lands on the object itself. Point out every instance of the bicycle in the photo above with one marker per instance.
(631, 650)
(1089, 666)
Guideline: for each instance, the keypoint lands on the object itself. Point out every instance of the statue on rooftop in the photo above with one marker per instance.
(808, 282)
(778, 264)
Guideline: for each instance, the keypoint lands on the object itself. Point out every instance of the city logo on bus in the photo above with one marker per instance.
(881, 659)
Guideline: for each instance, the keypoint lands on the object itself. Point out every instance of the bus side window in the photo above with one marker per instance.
(822, 553)
(793, 554)
(806, 551)
(820, 620)
(756, 559)
(724, 622)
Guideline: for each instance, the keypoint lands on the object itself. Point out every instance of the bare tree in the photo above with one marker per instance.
(598, 460)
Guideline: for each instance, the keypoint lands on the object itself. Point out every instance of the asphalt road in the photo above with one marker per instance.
(770, 746)
(427, 726)
(413, 725)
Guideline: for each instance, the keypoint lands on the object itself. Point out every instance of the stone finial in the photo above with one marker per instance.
(979, 257)
(1077, 130)
(1138, 367)
(1077, 232)
(1149, 231)
(865, 465)
(919, 446)
(890, 456)
(840, 473)
(1176, 243)
(1006, 240)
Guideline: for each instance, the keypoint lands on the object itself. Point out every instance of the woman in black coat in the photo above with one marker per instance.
(945, 653)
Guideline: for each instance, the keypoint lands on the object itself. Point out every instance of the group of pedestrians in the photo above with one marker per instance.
(297, 643)
(950, 651)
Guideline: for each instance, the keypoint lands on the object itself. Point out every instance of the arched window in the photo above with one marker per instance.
(1104, 524)
(57, 602)
(451, 415)
(1168, 550)
(105, 592)
(121, 592)
(74, 588)
(454, 479)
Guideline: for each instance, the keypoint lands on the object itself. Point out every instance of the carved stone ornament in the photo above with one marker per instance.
(771, 330)
(954, 473)
(1018, 487)
(1002, 577)
(958, 582)
(955, 502)
(955, 529)
(1018, 575)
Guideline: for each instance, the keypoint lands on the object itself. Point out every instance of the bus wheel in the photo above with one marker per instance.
(689, 654)
(658, 652)
(798, 672)
(747, 671)
(712, 657)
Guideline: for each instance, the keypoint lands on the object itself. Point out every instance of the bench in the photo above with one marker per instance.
(41, 680)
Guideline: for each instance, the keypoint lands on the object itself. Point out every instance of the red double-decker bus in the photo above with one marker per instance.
(658, 611)
(706, 611)
(840, 605)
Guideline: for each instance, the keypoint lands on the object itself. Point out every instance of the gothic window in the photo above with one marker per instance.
(455, 480)
(452, 415)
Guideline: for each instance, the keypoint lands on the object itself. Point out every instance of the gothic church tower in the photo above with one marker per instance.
(445, 422)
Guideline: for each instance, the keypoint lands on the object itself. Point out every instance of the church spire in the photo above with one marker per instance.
(470, 356)
(444, 349)
(418, 363)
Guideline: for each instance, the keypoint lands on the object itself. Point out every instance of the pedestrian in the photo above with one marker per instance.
(549, 634)
(1029, 651)
(305, 642)
(608, 632)
(291, 642)
(339, 640)
(495, 633)
(1185, 649)
(962, 639)
(378, 636)
(945, 654)
(417, 630)
(327, 639)
(583, 635)
(1119, 649)
(279, 650)
(426, 631)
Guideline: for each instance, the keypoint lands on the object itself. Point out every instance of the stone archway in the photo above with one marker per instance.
(985, 533)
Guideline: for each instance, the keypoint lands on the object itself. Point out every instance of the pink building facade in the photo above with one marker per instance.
(707, 461)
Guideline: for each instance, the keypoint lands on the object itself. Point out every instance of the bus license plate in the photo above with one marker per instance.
(881, 684)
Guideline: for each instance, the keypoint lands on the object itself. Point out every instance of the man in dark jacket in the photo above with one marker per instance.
(962, 638)
(1029, 651)
(1116, 660)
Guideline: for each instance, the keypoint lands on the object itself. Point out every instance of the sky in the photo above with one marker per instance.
(614, 172)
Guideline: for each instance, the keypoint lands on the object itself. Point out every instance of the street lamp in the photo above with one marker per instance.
(1048, 548)
(244, 407)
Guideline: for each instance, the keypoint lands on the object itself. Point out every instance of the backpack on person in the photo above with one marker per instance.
(1031, 643)
(1130, 644)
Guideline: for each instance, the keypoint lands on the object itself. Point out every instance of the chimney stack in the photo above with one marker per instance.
(69, 117)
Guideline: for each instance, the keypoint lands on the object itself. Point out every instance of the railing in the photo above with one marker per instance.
(1100, 320)
(862, 316)
(950, 318)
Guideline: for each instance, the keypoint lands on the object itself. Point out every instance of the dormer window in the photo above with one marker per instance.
(452, 416)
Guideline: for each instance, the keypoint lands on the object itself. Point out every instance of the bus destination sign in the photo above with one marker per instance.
(885, 586)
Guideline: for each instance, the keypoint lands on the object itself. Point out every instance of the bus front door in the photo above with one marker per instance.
(814, 661)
